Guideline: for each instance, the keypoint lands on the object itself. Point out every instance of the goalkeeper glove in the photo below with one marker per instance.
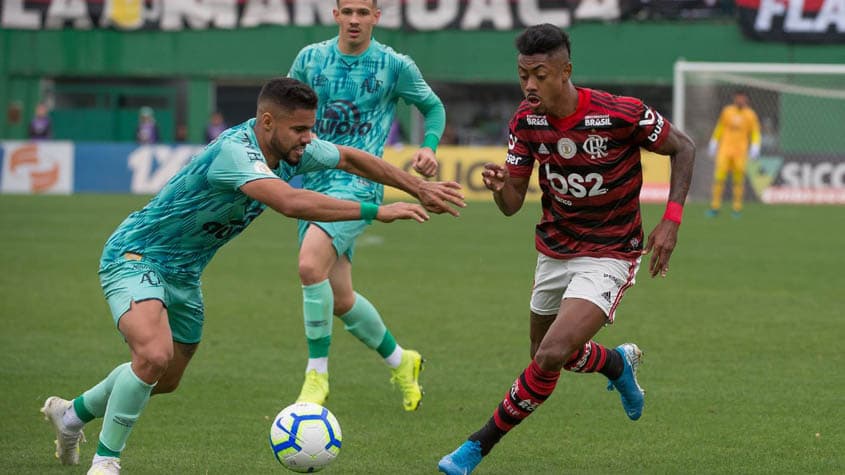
(711, 149)
(754, 152)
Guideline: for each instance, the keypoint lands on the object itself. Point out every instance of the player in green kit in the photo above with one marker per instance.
(359, 82)
(151, 265)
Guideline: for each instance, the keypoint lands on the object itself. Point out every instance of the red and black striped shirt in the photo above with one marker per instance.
(590, 172)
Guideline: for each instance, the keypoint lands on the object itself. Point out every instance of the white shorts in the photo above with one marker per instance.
(601, 280)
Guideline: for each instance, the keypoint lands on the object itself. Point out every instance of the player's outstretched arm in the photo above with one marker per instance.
(661, 242)
(508, 192)
(435, 196)
(309, 205)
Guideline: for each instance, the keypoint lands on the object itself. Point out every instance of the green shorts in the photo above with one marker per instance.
(128, 281)
(343, 234)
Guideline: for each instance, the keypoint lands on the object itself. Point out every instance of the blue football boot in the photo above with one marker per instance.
(632, 395)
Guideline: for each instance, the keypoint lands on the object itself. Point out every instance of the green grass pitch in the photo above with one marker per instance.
(743, 347)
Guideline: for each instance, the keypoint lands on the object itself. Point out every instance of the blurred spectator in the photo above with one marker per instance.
(39, 127)
(147, 131)
(13, 113)
(450, 135)
(216, 126)
(181, 133)
(394, 136)
(677, 9)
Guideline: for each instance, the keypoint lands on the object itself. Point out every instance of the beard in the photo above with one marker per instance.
(282, 153)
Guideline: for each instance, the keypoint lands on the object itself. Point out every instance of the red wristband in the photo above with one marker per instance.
(674, 211)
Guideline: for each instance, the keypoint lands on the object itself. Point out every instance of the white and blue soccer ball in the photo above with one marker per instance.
(305, 437)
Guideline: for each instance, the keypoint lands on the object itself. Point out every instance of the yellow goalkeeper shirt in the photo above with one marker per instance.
(736, 127)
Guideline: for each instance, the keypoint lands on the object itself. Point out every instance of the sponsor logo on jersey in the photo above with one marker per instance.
(543, 150)
(651, 117)
(566, 148)
(648, 117)
(597, 120)
(574, 184)
(341, 118)
(261, 167)
(226, 231)
(596, 146)
(320, 80)
(658, 128)
(511, 141)
(512, 159)
(537, 120)
(372, 85)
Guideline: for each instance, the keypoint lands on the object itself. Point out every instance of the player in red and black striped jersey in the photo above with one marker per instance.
(586, 144)
(590, 172)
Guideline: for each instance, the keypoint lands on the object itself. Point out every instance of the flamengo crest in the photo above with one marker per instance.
(596, 146)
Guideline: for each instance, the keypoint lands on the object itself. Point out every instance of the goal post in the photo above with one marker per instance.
(801, 108)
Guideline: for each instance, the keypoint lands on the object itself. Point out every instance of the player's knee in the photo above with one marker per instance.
(151, 362)
(549, 359)
(310, 273)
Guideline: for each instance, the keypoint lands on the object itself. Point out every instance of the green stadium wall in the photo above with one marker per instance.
(629, 52)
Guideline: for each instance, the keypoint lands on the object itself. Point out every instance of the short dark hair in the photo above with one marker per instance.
(375, 3)
(288, 93)
(543, 39)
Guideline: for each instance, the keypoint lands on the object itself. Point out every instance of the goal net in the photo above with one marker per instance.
(801, 108)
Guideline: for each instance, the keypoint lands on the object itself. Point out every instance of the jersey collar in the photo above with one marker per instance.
(352, 57)
(564, 123)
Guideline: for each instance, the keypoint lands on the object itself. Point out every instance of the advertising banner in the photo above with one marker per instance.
(36, 167)
(794, 21)
(799, 179)
(174, 15)
(67, 167)
(464, 165)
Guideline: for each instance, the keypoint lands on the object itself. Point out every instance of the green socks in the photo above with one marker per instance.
(129, 396)
(364, 321)
(119, 399)
(92, 403)
(317, 307)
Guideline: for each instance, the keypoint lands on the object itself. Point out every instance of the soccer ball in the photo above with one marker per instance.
(305, 437)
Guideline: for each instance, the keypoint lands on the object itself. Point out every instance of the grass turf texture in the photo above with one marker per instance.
(743, 343)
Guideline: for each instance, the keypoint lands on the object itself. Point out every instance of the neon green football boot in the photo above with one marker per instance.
(315, 388)
(407, 376)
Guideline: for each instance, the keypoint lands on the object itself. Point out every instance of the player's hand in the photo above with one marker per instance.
(394, 211)
(494, 176)
(424, 162)
(712, 148)
(435, 196)
(661, 242)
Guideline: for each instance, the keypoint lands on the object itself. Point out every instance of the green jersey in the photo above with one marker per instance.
(358, 97)
(202, 207)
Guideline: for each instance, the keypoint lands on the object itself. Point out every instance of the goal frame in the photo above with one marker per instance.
(682, 66)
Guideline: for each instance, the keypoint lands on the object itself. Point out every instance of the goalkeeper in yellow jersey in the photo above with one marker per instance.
(735, 139)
